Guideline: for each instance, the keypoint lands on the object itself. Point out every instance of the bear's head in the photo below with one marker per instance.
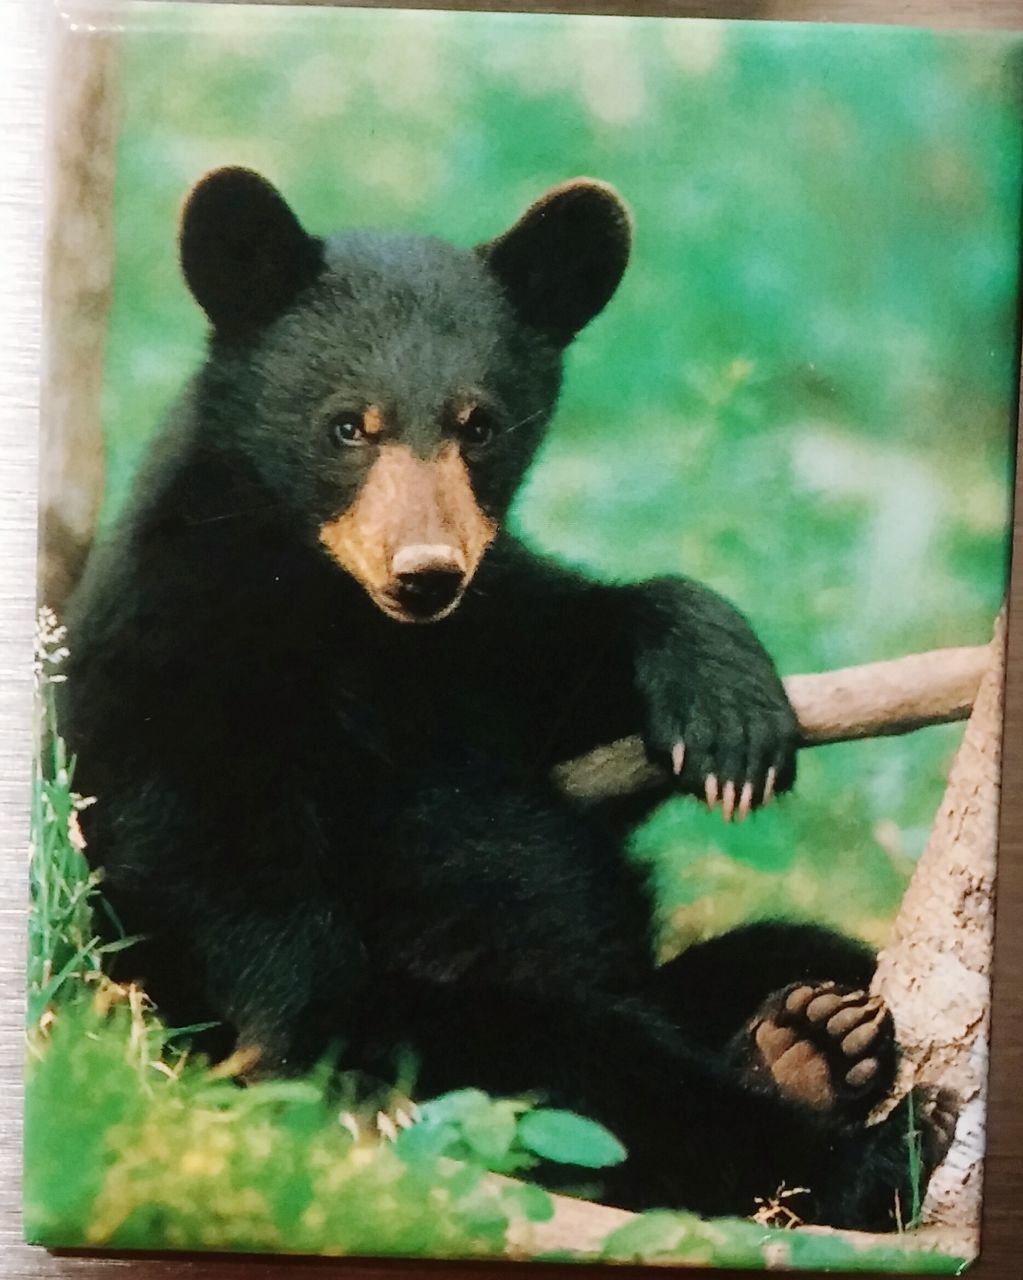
(391, 391)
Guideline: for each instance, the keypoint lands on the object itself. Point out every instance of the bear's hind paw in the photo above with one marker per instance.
(829, 1048)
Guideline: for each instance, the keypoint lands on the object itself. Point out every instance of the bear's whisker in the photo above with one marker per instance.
(240, 514)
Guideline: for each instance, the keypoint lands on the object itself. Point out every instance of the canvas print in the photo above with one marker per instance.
(525, 509)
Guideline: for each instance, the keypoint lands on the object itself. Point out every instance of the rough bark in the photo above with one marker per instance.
(76, 300)
(870, 701)
(935, 975)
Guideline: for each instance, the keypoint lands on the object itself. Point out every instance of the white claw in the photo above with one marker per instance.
(710, 789)
(745, 801)
(728, 800)
(678, 757)
(772, 773)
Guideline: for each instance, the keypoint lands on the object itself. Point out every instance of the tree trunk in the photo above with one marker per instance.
(77, 286)
(935, 975)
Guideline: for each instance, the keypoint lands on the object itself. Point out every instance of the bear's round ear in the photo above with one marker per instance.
(244, 254)
(561, 262)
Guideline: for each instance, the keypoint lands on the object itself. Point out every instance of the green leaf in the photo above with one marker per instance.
(652, 1235)
(534, 1202)
(662, 1236)
(119, 944)
(491, 1132)
(454, 1107)
(302, 1092)
(566, 1138)
(424, 1143)
(902, 1255)
(173, 1033)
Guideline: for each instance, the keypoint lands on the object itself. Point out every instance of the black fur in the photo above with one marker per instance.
(333, 826)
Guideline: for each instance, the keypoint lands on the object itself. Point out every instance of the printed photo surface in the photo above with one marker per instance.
(525, 515)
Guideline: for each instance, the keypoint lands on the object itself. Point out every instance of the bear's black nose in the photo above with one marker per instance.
(425, 592)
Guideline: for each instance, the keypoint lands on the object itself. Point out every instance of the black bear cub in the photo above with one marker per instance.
(319, 692)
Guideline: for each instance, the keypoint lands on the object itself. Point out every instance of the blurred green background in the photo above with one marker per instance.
(803, 393)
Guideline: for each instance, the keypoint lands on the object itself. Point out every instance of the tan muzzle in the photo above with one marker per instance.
(415, 534)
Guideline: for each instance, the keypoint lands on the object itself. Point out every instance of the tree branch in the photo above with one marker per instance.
(878, 699)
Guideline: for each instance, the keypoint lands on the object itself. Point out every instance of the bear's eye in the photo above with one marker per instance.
(478, 428)
(348, 428)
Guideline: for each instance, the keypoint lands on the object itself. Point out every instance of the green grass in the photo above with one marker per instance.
(914, 1146)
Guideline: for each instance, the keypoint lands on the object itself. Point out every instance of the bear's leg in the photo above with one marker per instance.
(788, 1005)
(714, 988)
(699, 1136)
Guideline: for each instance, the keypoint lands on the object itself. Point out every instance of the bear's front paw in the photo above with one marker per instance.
(722, 724)
(830, 1048)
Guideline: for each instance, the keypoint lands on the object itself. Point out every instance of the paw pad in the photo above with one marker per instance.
(827, 1047)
